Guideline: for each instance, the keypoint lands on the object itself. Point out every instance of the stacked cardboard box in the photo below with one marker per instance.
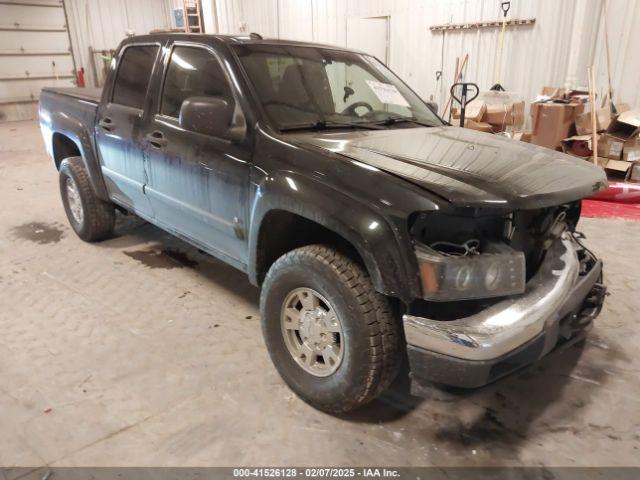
(552, 122)
(561, 120)
(619, 144)
(553, 116)
(618, 138)
(493, 112)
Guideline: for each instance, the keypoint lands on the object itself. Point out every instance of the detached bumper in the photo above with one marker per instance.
(558, 306)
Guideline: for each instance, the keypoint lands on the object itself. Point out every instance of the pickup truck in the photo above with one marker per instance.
(379, 234)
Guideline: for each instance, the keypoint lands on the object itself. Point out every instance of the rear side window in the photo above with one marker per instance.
(192, 72)
(133, 75)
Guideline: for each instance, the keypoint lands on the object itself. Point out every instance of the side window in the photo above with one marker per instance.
(192, 72)
(134, 72)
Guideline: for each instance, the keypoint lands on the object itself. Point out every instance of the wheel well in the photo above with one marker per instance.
(63, 147)
(282, 231)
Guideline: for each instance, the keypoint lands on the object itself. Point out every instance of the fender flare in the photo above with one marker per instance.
(75, 131)
(379, 243)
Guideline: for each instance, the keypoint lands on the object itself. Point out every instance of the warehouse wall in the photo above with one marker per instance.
(555, 51)
(566, 37)
(35, 43)
(101, 25)
(34, 52)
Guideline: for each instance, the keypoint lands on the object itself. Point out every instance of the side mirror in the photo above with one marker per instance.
(209, 116)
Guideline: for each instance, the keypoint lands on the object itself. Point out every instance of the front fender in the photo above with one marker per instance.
(83, 138)
(383, 246)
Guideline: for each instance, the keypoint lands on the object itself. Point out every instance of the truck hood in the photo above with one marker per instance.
(466, 167)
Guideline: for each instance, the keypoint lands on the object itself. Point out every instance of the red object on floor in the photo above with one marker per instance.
(621, 192)
(601, 209)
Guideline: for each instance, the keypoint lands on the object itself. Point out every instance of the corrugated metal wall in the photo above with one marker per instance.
(624, 41)
(36, 44)
(99, 25)
(567, 35)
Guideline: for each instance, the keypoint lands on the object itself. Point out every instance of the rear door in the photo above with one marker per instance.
(119, 122)
(198, 184)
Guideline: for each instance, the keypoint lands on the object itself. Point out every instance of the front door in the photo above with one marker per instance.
(118, 127)
(198, 184)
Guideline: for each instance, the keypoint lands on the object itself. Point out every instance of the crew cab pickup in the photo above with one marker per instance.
(375, 230)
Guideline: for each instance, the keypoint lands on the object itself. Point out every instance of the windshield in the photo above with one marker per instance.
(318, 87)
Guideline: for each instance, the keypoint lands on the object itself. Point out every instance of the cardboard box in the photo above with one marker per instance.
(583, 121)
(622, 133)
(617, 165)
(554, 92)
(610, 146)
(633, 174)
(603, 119)
(626, 123)
(553, 122)
(505, 114)
(474, 111)
(577, 92)
(480, 126)
(578, 145)
(631, 154)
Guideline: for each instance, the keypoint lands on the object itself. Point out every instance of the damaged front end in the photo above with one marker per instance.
(500, 291)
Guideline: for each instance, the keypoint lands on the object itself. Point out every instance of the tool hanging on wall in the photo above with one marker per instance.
(606, 45)
(505, 6)
(478, 26)
(439, 80)
(464, 100)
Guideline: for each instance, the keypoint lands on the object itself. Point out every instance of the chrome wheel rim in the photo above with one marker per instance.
(312, 332)
(73, 198)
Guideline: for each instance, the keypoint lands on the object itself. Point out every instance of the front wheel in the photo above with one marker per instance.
(91, 218)
(332, 337)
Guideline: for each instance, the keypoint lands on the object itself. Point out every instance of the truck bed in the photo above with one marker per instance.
(87, 94)
(70, 113)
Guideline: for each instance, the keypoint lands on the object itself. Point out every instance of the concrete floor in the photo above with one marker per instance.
(141, 351)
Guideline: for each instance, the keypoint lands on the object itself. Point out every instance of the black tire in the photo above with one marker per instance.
(98, 216)
(372, 337)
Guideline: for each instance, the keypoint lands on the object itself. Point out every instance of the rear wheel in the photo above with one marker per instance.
(334, 340)
(90, 217)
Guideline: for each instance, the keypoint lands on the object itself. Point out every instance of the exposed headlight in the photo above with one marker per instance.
(498, 271)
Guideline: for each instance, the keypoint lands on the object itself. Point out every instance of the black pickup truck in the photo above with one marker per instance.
(376, 231)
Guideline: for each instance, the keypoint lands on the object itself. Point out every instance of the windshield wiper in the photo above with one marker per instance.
(325, 125)
(395, 120)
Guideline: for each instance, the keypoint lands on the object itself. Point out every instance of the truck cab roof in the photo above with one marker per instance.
(228, 40)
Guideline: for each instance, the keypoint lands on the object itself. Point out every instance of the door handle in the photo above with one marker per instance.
(156, 139)
(106, 124)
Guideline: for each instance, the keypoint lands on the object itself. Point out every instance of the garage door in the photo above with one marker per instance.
(34, 52)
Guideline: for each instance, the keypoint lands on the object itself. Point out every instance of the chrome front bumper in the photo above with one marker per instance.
(512, 322)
